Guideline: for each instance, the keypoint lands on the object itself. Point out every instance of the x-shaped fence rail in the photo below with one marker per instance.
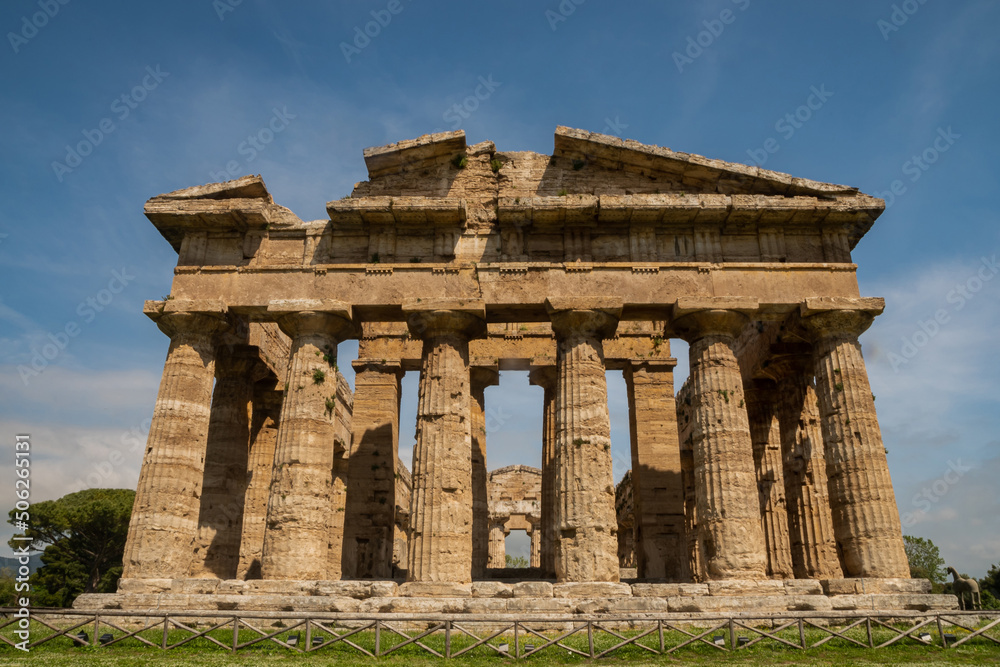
(451, 636)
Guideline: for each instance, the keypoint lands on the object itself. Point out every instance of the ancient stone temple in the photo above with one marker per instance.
(763, 477)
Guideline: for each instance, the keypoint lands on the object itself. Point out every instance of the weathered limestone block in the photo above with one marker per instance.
(669, 590)
(863, 505)
(814, 549)
(343, 406)
(532, 589)
(480, 377)
(731, 541)
(545, 377)
(167, 501)
(658, 490)
(266, 414)
(491, 589)
(435, 589)
(360, 590)
(803, 587)
(297, 537)
(732, 587)
(371, 496)
(144, 585)
(890, 585)
(591, 589)
(765, 434)
(586, 541)
(441, 519)
(484, 605)
(216, 548)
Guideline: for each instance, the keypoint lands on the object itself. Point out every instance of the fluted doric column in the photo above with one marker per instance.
(586, 541)
(498, 543)
(371, 478)
(165, 512)
(658, 490)
(731, 541)
(535, 559)
(297, 536)
(265, 416)
(216, 548)
(765, 434)
(441, 516)
(480, 377)
(545, 377)
(863, 504)
(810, 524)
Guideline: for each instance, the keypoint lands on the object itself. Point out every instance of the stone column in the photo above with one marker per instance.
(480, 378)
(657, 487)
(765, 434)
(586, 542)
(498, 543)
(216, 549)
(371, 478)
(731, 541)
(297, 537)
(441, 515)
(810, 525)
(536, 546)
(266, 415)
(165, 512)
(865, 517)
(545, 377)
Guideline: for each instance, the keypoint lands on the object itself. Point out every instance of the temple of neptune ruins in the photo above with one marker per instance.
(760, 484)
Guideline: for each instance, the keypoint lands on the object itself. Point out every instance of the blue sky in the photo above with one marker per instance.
(163, 96)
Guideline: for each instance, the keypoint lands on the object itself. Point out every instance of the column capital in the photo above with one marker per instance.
(837, 323)
(710, 322)
(302, 317)
(483, 376)
(650, 365)
(587, 316)
(543, 376)
(427, 318)
(387, 366)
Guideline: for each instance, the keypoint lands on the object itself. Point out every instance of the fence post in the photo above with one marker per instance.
(802, 633)
(517, 644)
(944, 642)
(732, 634)
(236, 632)
(166, 625)
(378, 638)
(659, 628)
(868, 626)
(590, 637)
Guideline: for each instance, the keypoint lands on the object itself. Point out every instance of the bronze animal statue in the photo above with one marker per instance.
(961, 586)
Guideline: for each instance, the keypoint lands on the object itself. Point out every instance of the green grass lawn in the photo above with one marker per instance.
(201, 651)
